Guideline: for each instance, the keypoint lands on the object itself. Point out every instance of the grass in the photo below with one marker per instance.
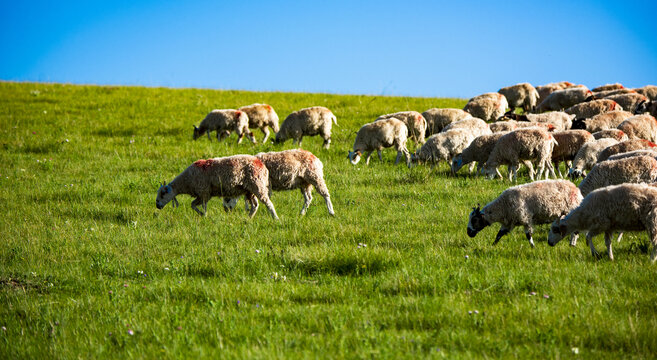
(90, 269)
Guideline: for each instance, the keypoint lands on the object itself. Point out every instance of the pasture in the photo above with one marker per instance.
(90, 268)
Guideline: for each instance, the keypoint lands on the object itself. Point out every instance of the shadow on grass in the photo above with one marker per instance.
(342, 264)
(39, 148)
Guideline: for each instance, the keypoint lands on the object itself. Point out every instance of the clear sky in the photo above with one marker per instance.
(417, 48)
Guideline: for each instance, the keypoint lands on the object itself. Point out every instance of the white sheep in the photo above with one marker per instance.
(522, 95)
(545, 90)
(615, 134)
(524, 144)
(316, 120)
(592, 108)
(587, 156)
(604, 93)
(563, 99)
(489, 107)
(230, 176)
(415, 122)
(536, 203)
(293, 169)
(651, 153)
(608, 120)
(568, 144)
(478, 151)
(378, 135)
(630, 102)
(263, 117)
(223, 122)
(503, 126)
(443, 146)
(635, 169)
(608, 87)
(559, 119)
(475, 125)
(437, 118)
(649, 91)
(640, 127)
(626, 207)
(625, 146)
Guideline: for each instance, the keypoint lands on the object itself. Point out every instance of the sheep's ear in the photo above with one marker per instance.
(562, 229)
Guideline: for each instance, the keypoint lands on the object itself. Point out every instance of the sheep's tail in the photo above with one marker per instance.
(335, 119)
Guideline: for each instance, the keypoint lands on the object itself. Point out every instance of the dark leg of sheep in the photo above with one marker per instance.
(528, 234)
(378, 152)
(503, 231)
(306, 190)
(589, 242)
(608, 235)
(198, 202)
(253, 201)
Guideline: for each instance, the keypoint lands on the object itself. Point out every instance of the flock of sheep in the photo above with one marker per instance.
(608, 132)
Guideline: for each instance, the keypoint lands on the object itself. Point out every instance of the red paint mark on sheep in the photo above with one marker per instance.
(238, 114)
(648, 143)
(573, 195)
(268, 107)
(203, 164)
(568, 83)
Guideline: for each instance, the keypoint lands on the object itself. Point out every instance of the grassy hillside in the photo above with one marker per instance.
(89, 268)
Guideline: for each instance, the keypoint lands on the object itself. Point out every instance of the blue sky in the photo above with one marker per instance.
(416, 48)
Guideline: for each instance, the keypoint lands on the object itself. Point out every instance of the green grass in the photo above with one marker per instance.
(80, 166)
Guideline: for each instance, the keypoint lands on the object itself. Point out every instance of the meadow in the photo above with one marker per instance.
(89, 268)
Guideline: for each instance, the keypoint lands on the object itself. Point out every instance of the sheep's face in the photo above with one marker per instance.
(165, 194)
(490, 171)
(229, 204)
(578, 124)
(197, 133)
(574, 174)
(557, 232)
(354, 157)
(457, 163)
(476, 222)
(280, 138)
(642, 108)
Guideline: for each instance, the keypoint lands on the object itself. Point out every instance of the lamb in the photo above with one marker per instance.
(223, 121)
(636, 169)
(608, 87)
(563, 99)
(649, 91)
(625, 146)
(293, 169)
(230, 176)
(523, 144)
(559, 119)
(592, 108)
(568, 144)
(378, 135)
(612, 134)
(443, 146)
(477, 126)
(536, 203)
(479, 150)
(522, 95)
(640, 127)
(651, 153)
(608, 120)
(310, 121)
(437, 119)
(263, 117)
(415, 122)
(587, 156)
(626, 207)
(487, 107)
(629, 102)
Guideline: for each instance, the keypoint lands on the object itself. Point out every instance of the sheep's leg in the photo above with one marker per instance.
(367, 157)
(503, 231)
(653, 239)
(263, 197)
(240, 137)
(608, 235)
(399, 155)
(265, 130)
(529, 231)
(589, 242)
(530, 167)
(209, 138)
(497, 170)
(300, 139)
(378, 152)
(308, 197)
(620, 236)
(254, 205)
(513, 172)
(573, 238)
(321, 188)
(196, 203)
(480, 169)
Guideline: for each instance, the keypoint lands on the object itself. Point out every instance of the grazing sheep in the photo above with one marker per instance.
(608, 87)
(503, 126)
(625, 155)
(629, 102)
(477, 126)
(437, 118)
(230, 176)
(568, 144)
(293, 169)
(608, 120)
(443, 146)
(625, 146)
(635, 169)
(523, 144)
(547, 89)
(587, 156)
(563, 99)
(310, 121)
(489, 106)
(378, 135)
(592, 108)
(640, 127)
(615, 134)
(263, 117)
(649, 91)
(559, 119)
(536, 203)
(415, 122)
(626, 207)
(479, 150)
(223, 121)
(522, 95)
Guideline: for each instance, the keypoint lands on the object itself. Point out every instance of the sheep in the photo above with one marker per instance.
(415, 122)
(640, 127)
(626, 207)
(263, 117)
(568, 144)
(479, 150)
(293, 169)
(378, 135)
(230, 176)
(636, 169)
(223, 121)
(536, 203)
(547, 89)
(592, 108)
(625, 155)
(563, 99)
(560, 120)
(477, 126)
(625, 146)
(608, 87)
(605, 93)
(587, 156)
(608, 120)
(437, 118)
(612, 134)
(487, 107)
(629, 102)
(523, 144)
(310, 121)
(443, 146)
(649, 91)
(649, 107)
(503, 126)
(522, 95)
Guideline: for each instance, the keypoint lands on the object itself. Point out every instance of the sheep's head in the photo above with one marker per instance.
(579, 124)
(476, 221)
(490, 170)
(165, 194)
(574, 174)
(557, 232)
(642, 107)
(354, 157)
(229, 204)
(197, 132)
(457, 163)
(280, 138)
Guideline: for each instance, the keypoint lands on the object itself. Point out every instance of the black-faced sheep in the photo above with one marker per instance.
(316, 120)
